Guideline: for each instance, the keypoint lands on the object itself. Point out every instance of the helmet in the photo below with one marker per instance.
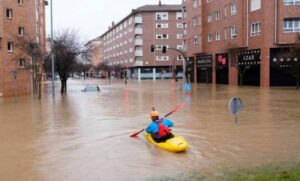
(153, 114)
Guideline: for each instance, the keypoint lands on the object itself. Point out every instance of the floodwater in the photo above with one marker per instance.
(85, 136)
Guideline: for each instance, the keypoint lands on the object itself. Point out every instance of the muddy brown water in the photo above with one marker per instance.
(85, 136)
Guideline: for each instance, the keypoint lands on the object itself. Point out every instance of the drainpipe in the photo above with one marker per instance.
(275, 23)
(247, 37)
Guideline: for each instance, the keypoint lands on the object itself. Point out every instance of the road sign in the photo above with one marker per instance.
(235, 107)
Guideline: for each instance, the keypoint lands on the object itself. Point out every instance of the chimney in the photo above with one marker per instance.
(159, 2)
(112, 24)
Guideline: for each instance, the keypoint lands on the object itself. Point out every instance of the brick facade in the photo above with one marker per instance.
(269, 15)
(128, 42)
(30, 16)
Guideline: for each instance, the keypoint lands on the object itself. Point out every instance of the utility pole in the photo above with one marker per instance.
(52, 53)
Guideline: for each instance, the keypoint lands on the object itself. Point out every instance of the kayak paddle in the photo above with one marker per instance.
(179, 106)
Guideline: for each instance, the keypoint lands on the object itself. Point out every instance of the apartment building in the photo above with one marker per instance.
(95, 46)
(128, 43)
(19, 18)
(260, 32)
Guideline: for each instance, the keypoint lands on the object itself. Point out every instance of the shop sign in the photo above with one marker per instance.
(221, 60)
(249, 57)
(204, 61)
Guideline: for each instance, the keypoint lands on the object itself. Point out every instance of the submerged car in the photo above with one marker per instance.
(91, 88)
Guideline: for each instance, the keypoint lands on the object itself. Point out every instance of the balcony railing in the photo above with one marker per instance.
(138, 42)
(138, 63)
(138, 53)
(138, 20)
(138, 31)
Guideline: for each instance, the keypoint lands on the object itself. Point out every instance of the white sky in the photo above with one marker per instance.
(91, 18)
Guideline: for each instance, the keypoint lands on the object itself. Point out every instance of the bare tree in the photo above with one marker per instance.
(233, 53)
(295, 69)
(67, 49)
(38, 56)
(293, 57)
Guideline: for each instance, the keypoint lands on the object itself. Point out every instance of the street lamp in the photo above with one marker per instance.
(52, 54)
(164, 50)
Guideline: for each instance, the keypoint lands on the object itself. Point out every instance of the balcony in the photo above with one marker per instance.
(138, 20)
(138, 63)
(138, 31)
(138, 53)
(138, 42)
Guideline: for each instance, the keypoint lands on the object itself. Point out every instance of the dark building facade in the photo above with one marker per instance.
(251, 38)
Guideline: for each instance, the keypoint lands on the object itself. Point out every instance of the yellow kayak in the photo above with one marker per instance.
(175, 144)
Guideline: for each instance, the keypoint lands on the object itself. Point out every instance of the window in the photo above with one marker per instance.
(255, 5)
(180, 47)
(179, 16)
(208, 1)
(195, 22)
(255, 29)
(233, 8)
(160, 47)
(196, 40)
(179, 36)
(209, 17)
(291, 25)
(179, 25)
(20, 2)
(179, 57)
(162, 36)
(291, 2)
(162, 25)
(10, 46)
(130, 21)
(22, 62)
(233, 32)
(218, 36)
(209, 37)
(21, 31)
(195, 4)
(217, 15)
(162, 16)
(162, 58)
(9, 13)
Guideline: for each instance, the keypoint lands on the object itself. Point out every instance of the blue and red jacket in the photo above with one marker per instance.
(154, 127)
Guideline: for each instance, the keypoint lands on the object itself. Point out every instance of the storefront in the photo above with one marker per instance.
(222, 68)
(204, 68)
(283, 67)
(249, 67)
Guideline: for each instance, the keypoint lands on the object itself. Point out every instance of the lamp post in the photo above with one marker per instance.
(52, 54)
(164, 49)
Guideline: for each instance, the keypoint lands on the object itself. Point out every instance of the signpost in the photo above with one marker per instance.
(235, 107)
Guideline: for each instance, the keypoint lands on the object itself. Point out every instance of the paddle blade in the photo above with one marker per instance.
(135, 134)
(179, 106)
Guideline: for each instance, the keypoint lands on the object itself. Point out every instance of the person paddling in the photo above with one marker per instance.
(159, 128)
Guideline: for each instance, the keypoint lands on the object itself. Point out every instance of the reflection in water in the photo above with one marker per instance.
(85, 136)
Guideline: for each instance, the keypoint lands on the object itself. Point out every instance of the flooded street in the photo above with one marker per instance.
(85, 136)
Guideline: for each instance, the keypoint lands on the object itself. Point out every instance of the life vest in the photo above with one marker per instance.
(162, 131)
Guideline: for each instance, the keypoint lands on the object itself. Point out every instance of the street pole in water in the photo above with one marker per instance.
(52, 54)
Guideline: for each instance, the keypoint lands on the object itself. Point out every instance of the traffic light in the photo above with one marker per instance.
(164, 49)
(152, 48)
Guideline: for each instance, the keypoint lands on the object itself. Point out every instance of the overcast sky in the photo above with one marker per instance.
(91, 18)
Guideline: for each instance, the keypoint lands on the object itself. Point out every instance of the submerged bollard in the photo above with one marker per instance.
(235, 107)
